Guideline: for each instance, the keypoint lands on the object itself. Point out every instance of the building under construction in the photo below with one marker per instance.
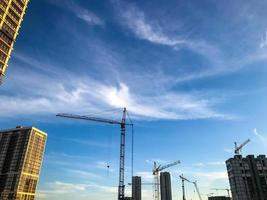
(136, 188)
(11, 16)
(248, 177)
(165, 186)
(21, 155)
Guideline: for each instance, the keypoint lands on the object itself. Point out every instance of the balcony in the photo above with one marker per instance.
(13, 18)
(19, 4)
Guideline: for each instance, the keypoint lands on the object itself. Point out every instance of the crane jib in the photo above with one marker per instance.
(123, 124)
(88, 118)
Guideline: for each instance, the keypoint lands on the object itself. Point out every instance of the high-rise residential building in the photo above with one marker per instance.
(219, 198)
(21, 155)
(136, 188)
(165, 186)
(11, 16)
(248, 177)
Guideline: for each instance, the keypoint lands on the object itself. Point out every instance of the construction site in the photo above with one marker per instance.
(162, 188)
(182, 69)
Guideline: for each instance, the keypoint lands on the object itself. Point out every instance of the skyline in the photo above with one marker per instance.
(191, 75)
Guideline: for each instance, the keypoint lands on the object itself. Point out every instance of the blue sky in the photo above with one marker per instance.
(192, 75)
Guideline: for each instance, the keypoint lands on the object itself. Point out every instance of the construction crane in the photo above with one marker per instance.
(183, 180)
(156, 171)
(199, 195)
(194, 183)
(226, 189)
(123, 124)
(239, 148)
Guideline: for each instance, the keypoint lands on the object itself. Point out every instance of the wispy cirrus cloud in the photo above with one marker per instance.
(59, 189)
(211, 176)
(157, 160)
(77, 165)
(206, 177)
(218, 60)
(136, 21)
(261, 137)
(82, 174)
(228, 150)
(85, 94)
(149, 30)
(216, 163)
(263, 43)
(80, 12)
(199, 164)
(147, 176)
(87, 142)
(212, 163)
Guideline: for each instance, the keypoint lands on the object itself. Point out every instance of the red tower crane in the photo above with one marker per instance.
(123, 124)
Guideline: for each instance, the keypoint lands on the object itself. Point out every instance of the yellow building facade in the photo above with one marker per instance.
(21, 155)
(11, 16)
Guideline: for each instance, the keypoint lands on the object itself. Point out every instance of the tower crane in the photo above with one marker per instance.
(225, 189)
(122, 124)
(199, 195)
(156, 171)
(239, 148)
(194, 183)
(183, 180)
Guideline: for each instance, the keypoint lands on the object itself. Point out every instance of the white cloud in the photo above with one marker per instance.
(208, 179)
(228, 150)
(211, 163)
(212, 175)
(67, 160)
(104, 166)
(262, 138)
(82, 13)
(59, 190)
(87, 142)
(217, 62)
(82, 94)
(137, 22)
(157, 160)
(165, 106)
(66, 187)
(200, 164)
(263, 43)
(217, 163)
(147, 176)
(82, 174)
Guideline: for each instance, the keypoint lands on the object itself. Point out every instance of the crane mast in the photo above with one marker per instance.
(183, 180)
(123, 124)
(156, 182)
(156, 171)
(195, 184)
(121, 188)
